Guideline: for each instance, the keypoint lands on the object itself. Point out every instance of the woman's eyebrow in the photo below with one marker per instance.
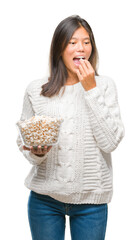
(82, 38)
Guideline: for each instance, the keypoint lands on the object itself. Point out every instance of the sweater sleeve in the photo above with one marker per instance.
(105, 118)
(27, 112)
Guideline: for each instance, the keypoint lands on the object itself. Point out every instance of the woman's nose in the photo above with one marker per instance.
(80, 46)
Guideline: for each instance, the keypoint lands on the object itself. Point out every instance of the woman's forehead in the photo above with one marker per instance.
(80, 33)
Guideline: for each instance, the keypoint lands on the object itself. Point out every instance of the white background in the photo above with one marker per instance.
(26, 31)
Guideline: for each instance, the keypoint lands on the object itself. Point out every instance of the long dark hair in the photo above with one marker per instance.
(62, 35)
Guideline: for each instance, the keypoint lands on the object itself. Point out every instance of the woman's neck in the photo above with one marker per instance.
(72, 80)
(71, 83)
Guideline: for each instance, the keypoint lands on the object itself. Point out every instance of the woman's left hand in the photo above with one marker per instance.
(39, 151)
(86, 75)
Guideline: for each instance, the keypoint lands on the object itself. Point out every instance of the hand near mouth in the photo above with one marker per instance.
(86, 75)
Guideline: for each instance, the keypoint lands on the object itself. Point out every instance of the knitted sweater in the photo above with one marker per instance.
(79, 168)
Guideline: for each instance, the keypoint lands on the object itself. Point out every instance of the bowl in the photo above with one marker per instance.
(39, 130)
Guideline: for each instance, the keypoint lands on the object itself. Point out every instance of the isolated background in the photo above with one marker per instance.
(26, 29)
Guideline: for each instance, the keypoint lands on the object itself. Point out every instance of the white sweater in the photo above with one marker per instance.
(78, 169)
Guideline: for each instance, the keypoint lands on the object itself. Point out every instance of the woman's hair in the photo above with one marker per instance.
(62, 35)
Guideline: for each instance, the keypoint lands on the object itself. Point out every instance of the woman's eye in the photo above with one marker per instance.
(72, 43)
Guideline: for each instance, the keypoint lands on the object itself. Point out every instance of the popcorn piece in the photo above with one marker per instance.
(40, 130)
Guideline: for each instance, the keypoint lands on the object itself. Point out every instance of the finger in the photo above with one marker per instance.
(82, 70)
(79, 75)
(45, 149)
(33, 149)
(39, 150)
(89, 66)
(84, 66)
(49, 148)
(25, 148)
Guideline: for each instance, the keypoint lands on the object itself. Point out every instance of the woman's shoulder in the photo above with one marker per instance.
(105, 81)
(104, 78)
(36, 85)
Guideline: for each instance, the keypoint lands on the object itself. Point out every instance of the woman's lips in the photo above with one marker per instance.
(77, 60)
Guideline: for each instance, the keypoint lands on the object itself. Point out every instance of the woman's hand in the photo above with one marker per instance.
(86, 75)
(39, 151)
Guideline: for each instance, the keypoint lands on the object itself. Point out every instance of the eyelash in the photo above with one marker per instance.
(72, 43)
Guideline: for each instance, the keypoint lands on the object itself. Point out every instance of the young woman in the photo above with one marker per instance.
(74, 177)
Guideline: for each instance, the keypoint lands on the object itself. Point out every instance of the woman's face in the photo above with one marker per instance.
(78, 47)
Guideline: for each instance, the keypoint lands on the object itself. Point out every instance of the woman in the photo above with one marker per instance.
(73, 177)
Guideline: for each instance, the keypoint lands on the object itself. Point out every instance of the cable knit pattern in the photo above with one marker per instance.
(78, 169)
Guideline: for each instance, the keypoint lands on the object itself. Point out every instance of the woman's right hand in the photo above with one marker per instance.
(39, 151)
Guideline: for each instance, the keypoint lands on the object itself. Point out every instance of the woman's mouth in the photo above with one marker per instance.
(77, 60)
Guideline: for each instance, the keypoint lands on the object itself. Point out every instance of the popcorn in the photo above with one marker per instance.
(39, 130)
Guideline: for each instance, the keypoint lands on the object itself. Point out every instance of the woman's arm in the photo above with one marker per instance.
(27, 112)
(105, 118)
